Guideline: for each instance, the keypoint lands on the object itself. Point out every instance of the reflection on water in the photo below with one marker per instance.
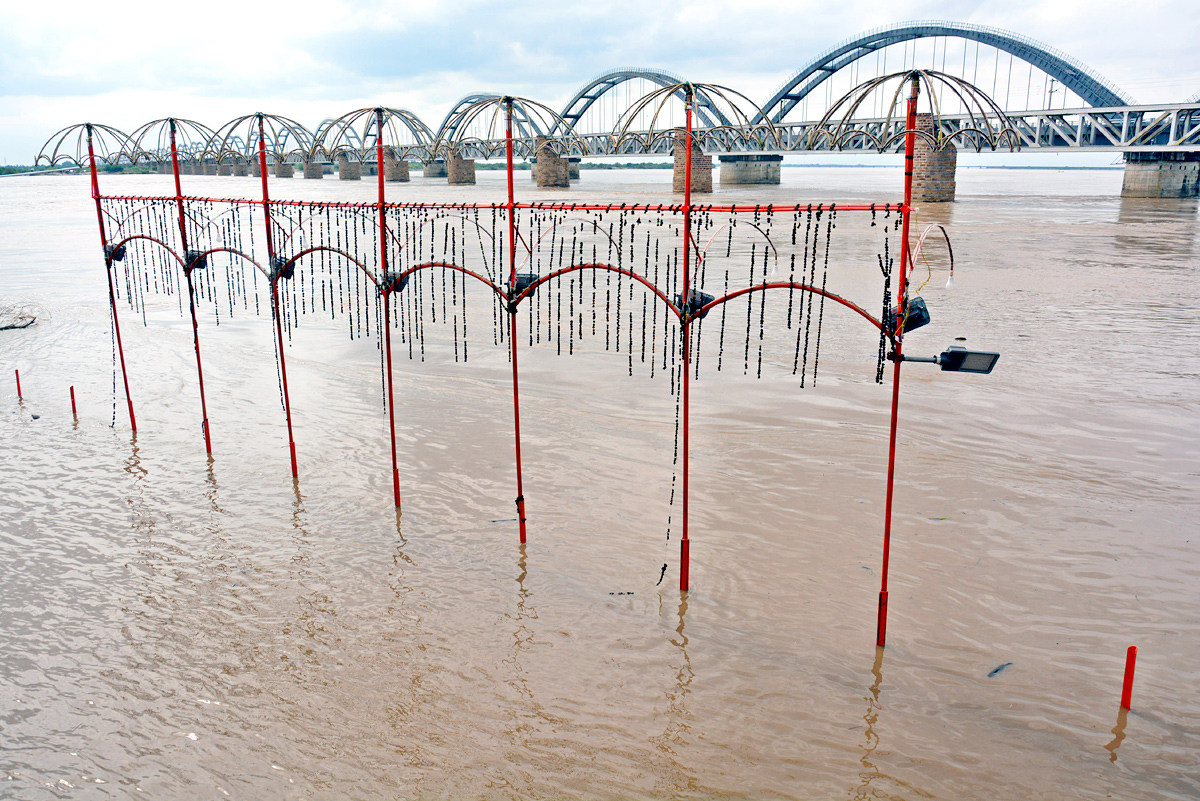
(196, 627)
(875, 782)
(676, 718)
(1140, 229)
(1119, 734)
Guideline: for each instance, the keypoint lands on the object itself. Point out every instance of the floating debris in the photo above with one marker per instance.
(16, 316)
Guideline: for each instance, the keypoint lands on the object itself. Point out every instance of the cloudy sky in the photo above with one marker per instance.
(125, 62)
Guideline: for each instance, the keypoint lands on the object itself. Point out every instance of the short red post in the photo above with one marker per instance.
(18, 374)
(74, 411)
(1130, 663)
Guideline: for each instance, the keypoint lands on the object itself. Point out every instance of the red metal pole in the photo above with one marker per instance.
(512, 315)
(387, 298)
(387, 338)
(1127, 689)
(187, 272)
(74, 411)
(909, 151)
(18, 374)
(112, 294)
(685, 331)
(287, 402)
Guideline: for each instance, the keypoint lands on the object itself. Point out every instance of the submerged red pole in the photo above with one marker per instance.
(18, 374)
(112, 294)
(512, 314)
(909, 152)
(1127, 688)
(685, 544)
(287, 402)
(387, 300)
(74, 411)
(387, 338)
(187, 272)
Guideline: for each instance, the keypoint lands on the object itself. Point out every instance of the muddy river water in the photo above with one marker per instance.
(176, 628)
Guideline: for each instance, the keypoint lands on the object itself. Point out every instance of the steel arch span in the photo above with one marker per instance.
(1093, 88)
(710, 116)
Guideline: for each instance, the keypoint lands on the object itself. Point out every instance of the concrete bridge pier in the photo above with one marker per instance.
(284, 169)
(435, 169)
(933, 169)
(573, 168)
(224, 169)
(1161, 175)
(395, 170)
(460, 171)
(701, 165)
(241, 169)
(751, 169)
(349, 170)
(550, 169)
(313, 170)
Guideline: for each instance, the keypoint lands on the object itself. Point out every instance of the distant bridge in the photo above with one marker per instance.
(1121, 129)
(1025, 80)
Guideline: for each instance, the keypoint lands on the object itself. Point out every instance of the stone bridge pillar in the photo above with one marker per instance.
(552, 169)
(284, 169)
(394, 169)
(241, 168)
(314, 169)
(255, 168)
(460, 171)
(349, 170)
(701, 165)
(752, 169)
(933, 170)
(224, 169)
(1161, 175)
(573, 167)
(435, 169)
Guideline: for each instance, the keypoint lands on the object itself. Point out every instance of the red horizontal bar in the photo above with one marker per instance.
(635, 207)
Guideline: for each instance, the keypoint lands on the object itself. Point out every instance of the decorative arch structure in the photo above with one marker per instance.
(1093, 88)
(593, 90)
(523, 124)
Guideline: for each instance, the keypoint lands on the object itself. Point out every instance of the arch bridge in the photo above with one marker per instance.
(1050, 101)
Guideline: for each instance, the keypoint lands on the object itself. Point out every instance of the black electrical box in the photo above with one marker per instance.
(697, 302)
(196, 259)
(916, 314)
(523, 282)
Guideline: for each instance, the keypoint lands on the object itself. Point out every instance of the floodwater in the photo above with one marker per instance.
(176, 628)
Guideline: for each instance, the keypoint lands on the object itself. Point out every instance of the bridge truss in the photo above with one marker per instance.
(1104, 118)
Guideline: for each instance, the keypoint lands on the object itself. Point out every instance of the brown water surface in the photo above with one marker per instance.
(176, 628)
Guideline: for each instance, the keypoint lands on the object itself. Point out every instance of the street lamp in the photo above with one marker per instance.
(957, 359)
